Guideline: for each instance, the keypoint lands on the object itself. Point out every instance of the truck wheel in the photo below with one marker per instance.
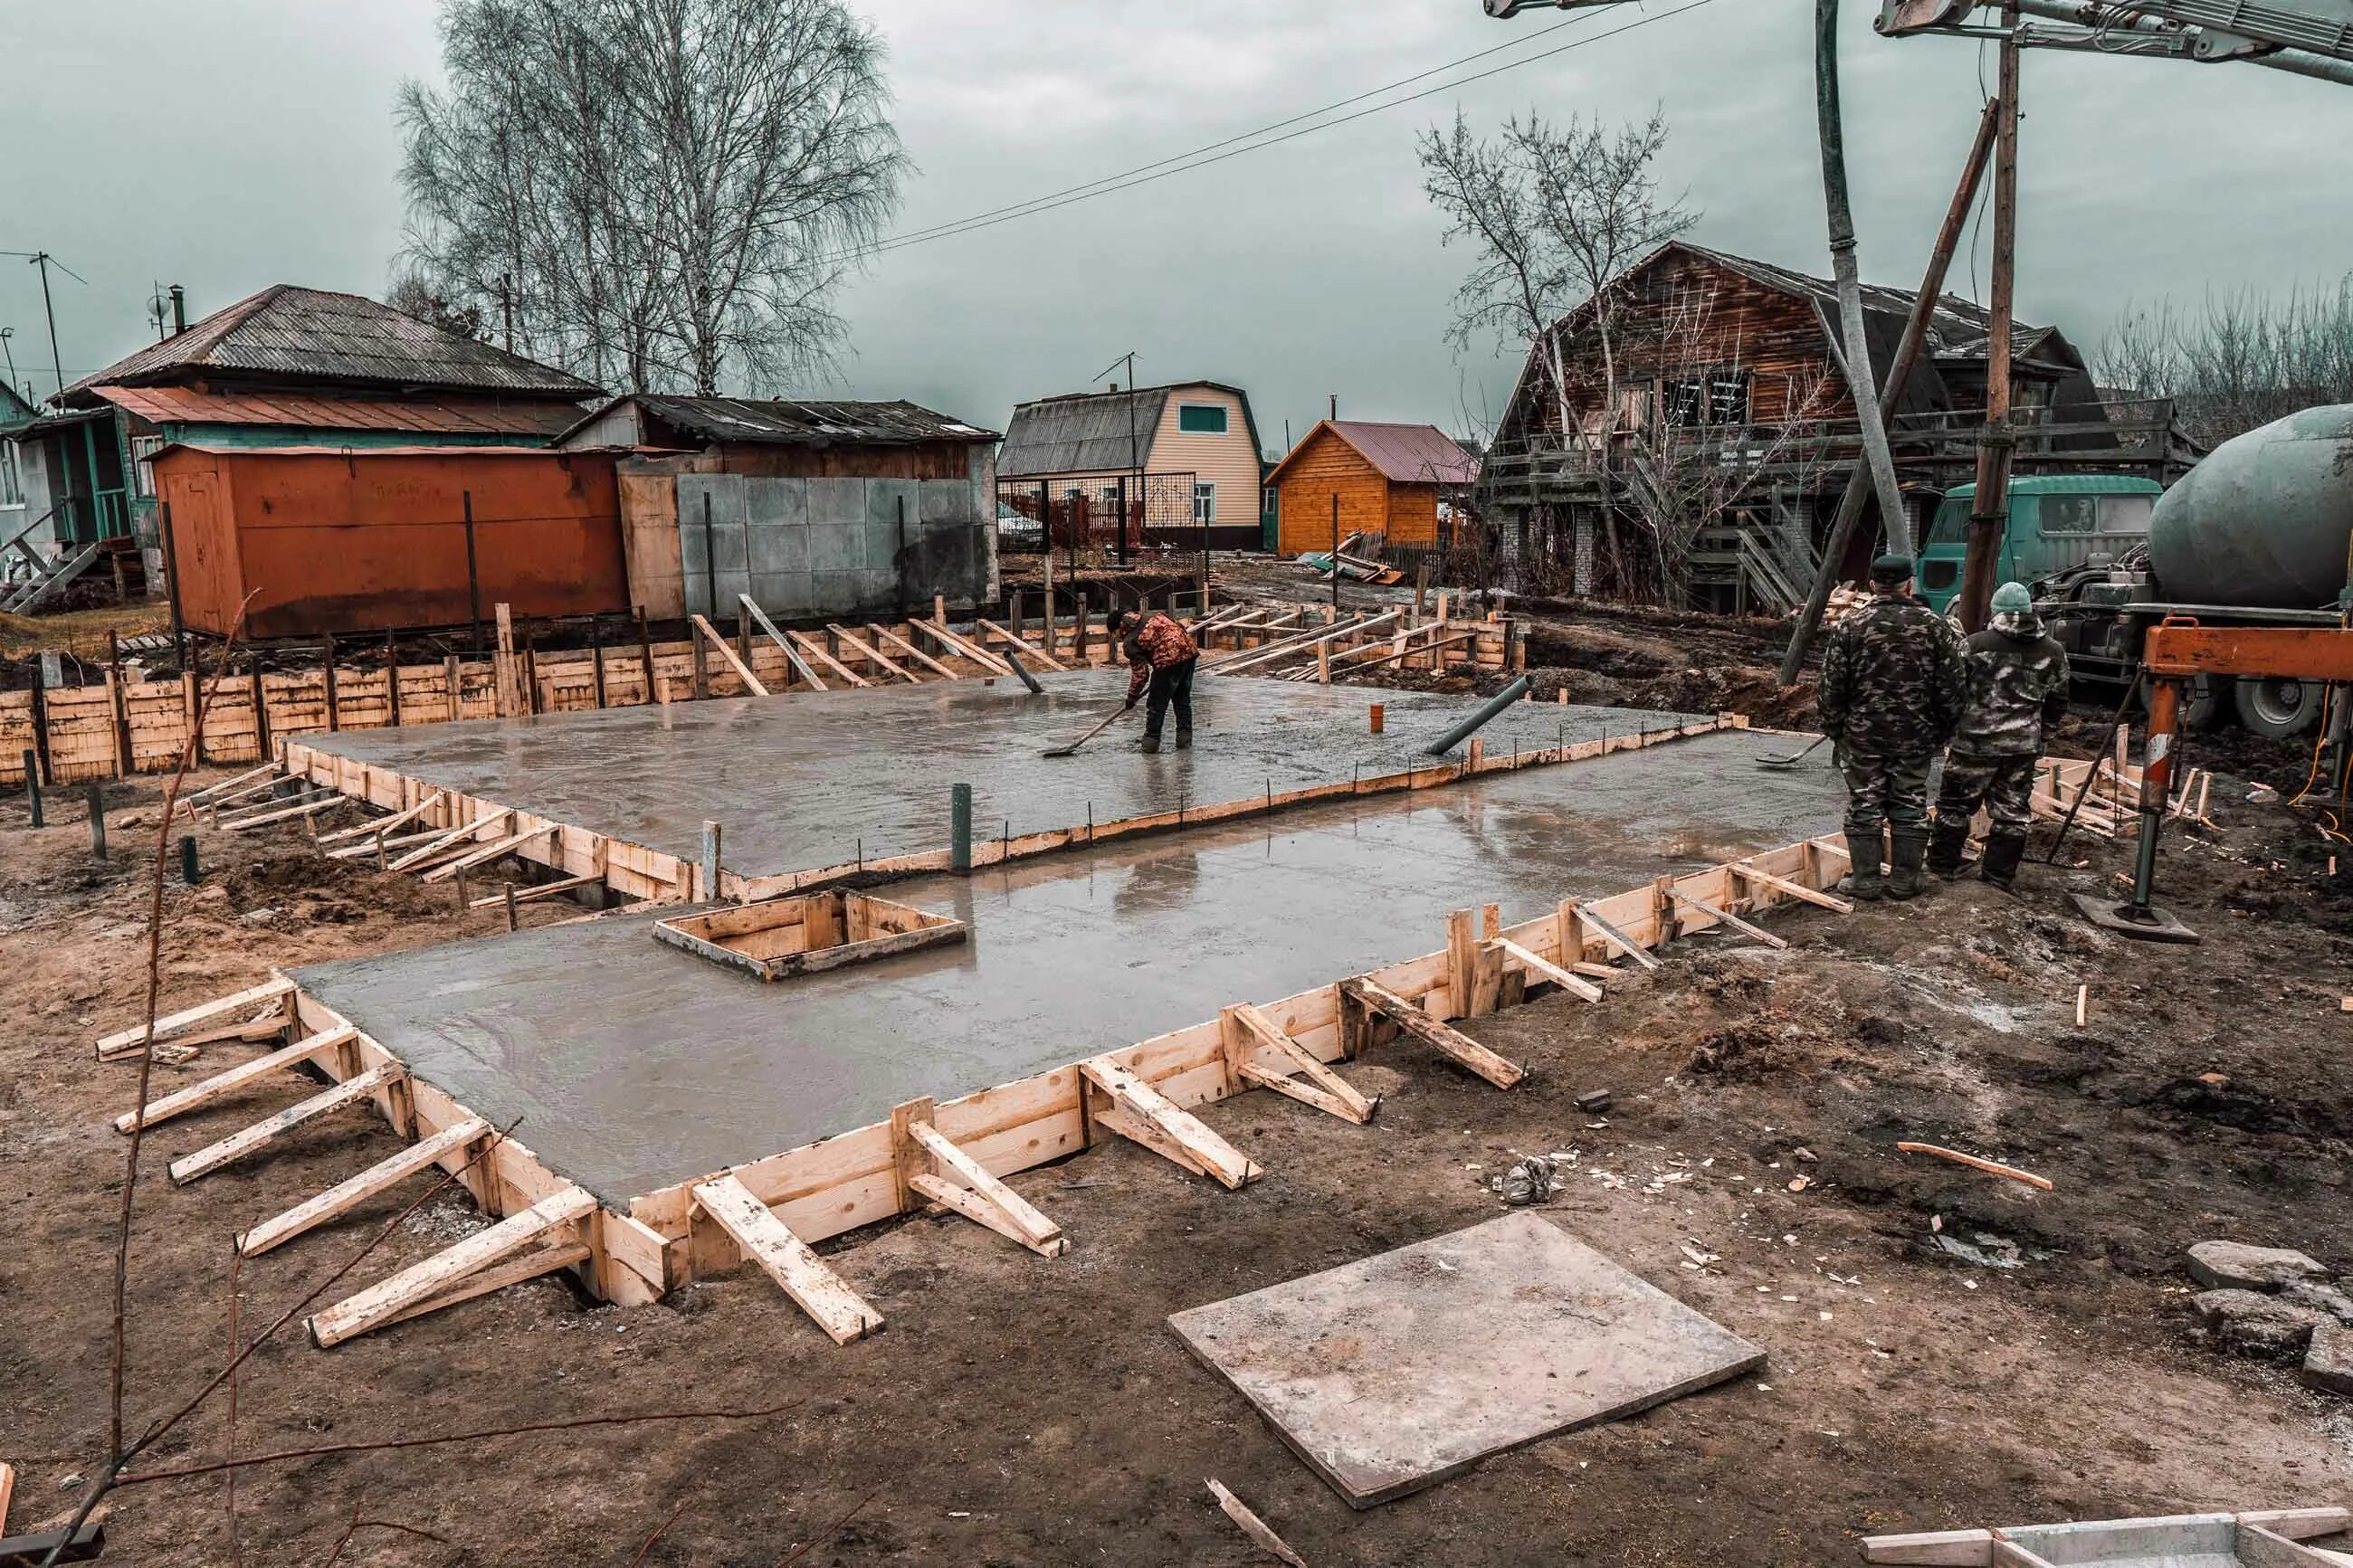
(2208, 703)
(2278, 707)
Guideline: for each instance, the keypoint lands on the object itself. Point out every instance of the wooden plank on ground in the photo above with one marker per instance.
(391, 1298)
(787, 1259)
(238, 1145)
(317, 1211)
(1794, 890)
(488, 852)
(198, 1095)
(727, 651)
(1141, 1106)
(129, 1041)
(1541, 968)
(1380, 999)
(1246, 1027)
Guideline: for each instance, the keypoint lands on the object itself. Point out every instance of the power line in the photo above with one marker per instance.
(1016, 207)
(1122, 183)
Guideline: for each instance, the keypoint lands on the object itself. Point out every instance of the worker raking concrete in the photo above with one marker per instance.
(2016, 691)
(1888, 697)
(1161, 657)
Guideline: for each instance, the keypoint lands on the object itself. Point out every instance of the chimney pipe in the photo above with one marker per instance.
(179, 310)
(1335, 407)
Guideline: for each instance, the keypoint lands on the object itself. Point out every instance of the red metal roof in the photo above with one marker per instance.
(1405, 454)
(427, 416)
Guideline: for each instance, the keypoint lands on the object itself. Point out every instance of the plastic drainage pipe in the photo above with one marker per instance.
(1470, 726)
(1028, 679)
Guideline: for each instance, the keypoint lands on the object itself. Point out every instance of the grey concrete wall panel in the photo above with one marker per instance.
(778, 548)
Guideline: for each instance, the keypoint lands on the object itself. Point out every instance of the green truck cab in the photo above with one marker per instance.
(2056, 522)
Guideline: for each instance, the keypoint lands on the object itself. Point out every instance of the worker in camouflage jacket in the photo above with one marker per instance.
(2016, 691)
(1889, 697)
(1161, 657)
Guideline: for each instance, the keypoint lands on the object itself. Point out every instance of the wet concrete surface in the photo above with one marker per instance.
(817, 779)
(633, 1066)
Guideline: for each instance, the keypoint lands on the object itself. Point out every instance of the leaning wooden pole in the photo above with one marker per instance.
(1899, 378)
(1861, 380)
(1989, 511)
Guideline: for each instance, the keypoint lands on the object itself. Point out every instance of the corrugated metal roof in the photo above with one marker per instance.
(425, 416)
(347, 453)
(313, 334)
(1406, 454)
(797, 422)
(1083, 433)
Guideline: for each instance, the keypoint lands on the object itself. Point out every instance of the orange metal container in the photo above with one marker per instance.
(361, 540)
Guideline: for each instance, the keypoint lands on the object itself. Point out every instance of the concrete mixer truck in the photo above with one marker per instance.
(2260, 533)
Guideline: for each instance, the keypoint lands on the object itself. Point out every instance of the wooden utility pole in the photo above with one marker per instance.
(1899, 376)
(1989, 511)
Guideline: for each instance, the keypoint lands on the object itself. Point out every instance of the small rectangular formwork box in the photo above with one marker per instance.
(780, 938)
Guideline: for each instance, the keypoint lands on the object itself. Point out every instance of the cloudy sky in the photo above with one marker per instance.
(234, 144)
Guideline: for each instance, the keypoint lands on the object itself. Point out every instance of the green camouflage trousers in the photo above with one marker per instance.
(1884, 791)
(2003, 785)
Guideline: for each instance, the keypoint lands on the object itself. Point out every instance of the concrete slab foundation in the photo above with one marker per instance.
(825, 782)
(633, 1066)
(1392, 1374)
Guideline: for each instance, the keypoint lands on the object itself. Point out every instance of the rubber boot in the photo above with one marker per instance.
(2003, 851)
(1864, 882)
(1150, 744)
(1945, 845)
(1184, 737)
(1906, 848)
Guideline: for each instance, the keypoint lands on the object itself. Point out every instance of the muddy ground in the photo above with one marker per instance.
(1023, 1411)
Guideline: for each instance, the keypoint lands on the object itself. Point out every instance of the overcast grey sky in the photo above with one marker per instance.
(228, 144)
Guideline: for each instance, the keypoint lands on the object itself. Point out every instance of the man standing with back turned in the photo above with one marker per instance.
(1161, 656)
(2017, 692)
(1888, 697)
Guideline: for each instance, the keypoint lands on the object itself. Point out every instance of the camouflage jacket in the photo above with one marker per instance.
(1890, 682)
(2017, 690)
(1157, 644)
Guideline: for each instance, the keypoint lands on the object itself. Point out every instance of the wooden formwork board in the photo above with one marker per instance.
(640, 871)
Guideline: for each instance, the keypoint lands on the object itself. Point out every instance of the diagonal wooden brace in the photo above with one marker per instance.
(198, 1095)
(1378, 999)
(786, 1259)
(490, 851)
(131, 1042)
(344, 1194)
(1541, 968)
(238, 1145)
(1793, 890)
(752, 683)
(442, 1280)
(961, 1183)
(1615, 938)
(1143, 1115)
(1728, 918)
(1248, 1032)
(423, 852)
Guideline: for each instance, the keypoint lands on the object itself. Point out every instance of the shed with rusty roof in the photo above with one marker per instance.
(815, 508)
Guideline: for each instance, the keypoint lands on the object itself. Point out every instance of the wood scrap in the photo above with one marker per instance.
(1972, 1161)
(1265, 1538)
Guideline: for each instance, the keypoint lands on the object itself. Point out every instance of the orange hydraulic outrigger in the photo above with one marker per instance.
(2176, 652)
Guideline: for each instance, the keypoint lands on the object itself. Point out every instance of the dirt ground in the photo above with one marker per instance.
(1024, 1411)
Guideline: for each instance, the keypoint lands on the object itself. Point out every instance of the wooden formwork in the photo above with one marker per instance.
(953, 1153)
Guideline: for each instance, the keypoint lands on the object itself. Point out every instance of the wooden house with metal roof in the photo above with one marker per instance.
(1698, 454)
(1358, 476)
(1180, 463)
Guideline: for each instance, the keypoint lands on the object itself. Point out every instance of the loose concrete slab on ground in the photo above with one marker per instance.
(817, 779)
(635, 1066)
(1396, 1372)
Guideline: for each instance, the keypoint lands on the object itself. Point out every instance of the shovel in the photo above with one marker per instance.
(1121, 712)
(1794, 758)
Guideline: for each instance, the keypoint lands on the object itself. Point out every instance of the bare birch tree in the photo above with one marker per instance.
(665, 194)
(2239, 360)
(1554, 213)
